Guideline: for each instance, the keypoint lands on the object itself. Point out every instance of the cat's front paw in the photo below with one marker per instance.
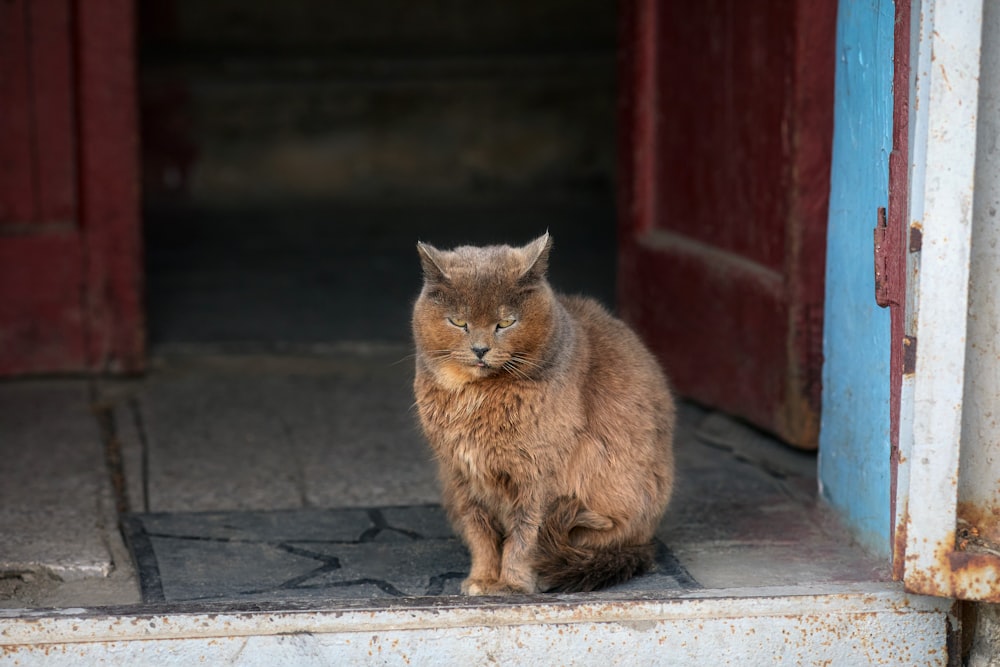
(485, 587)
(478, 586)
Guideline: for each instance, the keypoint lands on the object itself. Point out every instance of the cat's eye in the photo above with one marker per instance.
(504, 323)
(458, 322)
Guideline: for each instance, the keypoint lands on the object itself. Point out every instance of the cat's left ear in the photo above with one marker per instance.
(430, 258)
(536, 256)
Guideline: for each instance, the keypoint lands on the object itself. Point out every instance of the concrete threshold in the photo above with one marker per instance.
(862, 624)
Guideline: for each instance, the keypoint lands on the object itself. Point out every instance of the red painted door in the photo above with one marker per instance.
(70, 253)
(726, 127)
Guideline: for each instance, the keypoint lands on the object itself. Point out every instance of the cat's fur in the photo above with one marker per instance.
(555, 449)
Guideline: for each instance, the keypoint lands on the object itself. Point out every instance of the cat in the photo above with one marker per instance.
(551, 423)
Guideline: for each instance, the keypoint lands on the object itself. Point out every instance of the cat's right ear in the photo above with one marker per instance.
(430, 259)
(536, 255)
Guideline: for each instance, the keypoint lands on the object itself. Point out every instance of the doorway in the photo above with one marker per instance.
(258, 244)
(293, 157)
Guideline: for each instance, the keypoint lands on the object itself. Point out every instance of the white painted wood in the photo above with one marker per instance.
(979, 466)
(941, 428)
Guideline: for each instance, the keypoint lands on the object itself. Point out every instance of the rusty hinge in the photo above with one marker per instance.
(909, 355)
(916, 236)
(881, 261)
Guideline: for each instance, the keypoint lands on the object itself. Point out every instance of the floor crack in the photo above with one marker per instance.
(135, 410)
(105, 416)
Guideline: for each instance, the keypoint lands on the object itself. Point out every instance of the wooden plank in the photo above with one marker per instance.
(731, 365)
(726, 134)
(70, 276)
(109, 177)
(854, 447)
(811, 112)
(37, 152)
(943, 195)
(41, 259)
(723, 137)
(898, 225)
(52, 81)
(17, 183)
(41, 322)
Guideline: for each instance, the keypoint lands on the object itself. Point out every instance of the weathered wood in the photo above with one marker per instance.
(37, 165)
(899, 227)
(70, 263)
(109, 167)
(725, 163)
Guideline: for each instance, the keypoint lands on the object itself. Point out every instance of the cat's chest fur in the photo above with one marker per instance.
(490, 432)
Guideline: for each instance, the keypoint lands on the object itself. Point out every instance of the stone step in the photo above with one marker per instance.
(860, 625)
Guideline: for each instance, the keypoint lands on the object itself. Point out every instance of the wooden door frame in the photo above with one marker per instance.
(945, 516)
(902, 359)
(72, 289)
(110, 210)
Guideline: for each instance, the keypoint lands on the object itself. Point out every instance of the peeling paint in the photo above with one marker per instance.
(952, 522)
(875, 624)
(854, 433)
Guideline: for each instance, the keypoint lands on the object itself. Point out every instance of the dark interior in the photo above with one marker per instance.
(294, 154)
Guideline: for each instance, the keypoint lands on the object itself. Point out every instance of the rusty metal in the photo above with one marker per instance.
(916, 242)
(980, 526)
(882, 252)
(909, 355)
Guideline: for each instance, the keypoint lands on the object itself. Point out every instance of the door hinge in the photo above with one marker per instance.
(909, 355)
(881, 261)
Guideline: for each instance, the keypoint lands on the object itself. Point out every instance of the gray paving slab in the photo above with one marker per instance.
(255, 476)
(347, 554)
(217, 440)
(257, 432)
(53, 486)
(340, 435)
(58, 524)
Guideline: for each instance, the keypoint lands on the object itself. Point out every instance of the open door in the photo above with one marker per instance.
(70, 255)
(726, 124)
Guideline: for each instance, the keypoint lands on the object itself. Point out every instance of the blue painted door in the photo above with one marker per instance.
(855, 431)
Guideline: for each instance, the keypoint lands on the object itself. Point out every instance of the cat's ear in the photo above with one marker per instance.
(430, 258)
(536, 255)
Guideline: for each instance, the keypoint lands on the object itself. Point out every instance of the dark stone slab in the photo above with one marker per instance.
(391, 552)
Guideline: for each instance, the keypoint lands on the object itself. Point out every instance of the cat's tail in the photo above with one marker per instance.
(565, 567)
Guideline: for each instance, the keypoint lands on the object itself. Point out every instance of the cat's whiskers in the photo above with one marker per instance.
(430, 354)
(523, 362)
(408, 357)
(511, 367)
(437, 355)
(527, 361)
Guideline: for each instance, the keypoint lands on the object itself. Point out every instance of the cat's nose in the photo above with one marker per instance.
(480, 350)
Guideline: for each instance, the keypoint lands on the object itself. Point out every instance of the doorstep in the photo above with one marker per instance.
(866, 624)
